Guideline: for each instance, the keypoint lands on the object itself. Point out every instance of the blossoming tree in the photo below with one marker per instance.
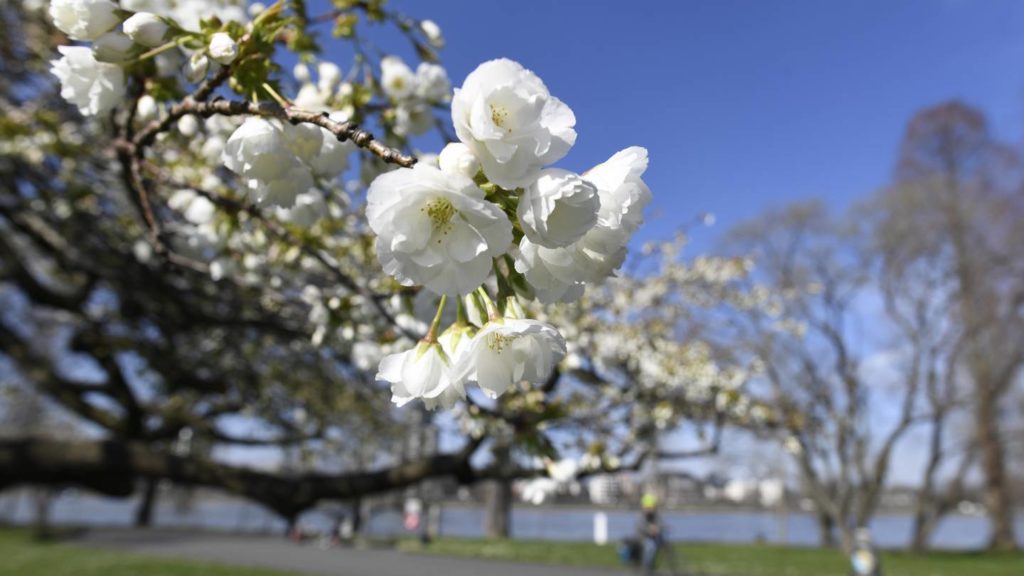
(203, 246)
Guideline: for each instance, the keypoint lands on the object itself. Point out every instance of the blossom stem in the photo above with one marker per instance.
(492, 311)
(461, 318)
(160, 49)
(435, 326)
(277, 97)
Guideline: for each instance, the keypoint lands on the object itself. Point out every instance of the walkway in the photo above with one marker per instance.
(278, 553)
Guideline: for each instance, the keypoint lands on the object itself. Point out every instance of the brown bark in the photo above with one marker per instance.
(498, 511)
(498, 498)
(111, 467)
(826, 530)
(144, 513)
(995, 494)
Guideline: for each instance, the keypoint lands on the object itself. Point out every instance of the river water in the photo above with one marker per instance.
(535, 523)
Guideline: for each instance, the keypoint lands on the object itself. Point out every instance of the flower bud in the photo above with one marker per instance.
(301, 73)
(112, 47)
(457, 158)
(146, 29)
(223, 48)
(198, 65)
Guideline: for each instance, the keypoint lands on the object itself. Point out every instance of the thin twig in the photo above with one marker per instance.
(342, 130)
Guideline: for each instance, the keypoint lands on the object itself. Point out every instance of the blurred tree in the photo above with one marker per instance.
(812, 343)
(955, 207)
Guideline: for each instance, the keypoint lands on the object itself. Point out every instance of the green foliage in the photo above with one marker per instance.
(733, 560)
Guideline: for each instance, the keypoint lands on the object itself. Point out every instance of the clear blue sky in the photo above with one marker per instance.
(746, 104)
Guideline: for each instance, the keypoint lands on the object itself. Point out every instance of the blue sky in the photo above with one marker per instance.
(747, 104)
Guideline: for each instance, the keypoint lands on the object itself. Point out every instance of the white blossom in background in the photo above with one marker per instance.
(301, 72)
(113, 47)
(558, 208)
(309, 208)
(223, 48)
(396, 78)
(329, 76)
(84, 19)
(332, 158)
(266, 153)
(188, 126)
(508, 351)
(420, 372)
(431, 83)
(413, 118)
(146, 29)
(94, 87)
(435, 229)
(279, 161)
(432, 31)
(196, 209)
(146, 108)
(514, 126)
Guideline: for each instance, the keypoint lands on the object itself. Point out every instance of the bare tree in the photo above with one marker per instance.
(961, 195)
(814, 351)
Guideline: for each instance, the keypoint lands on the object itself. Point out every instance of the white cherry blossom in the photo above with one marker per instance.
(558, 209)
(435, 229)
(506, 115)
(268, 155)
(508, 351)
(84, 19)
(420, 372)
(94, 87)
(623, 197)
(456, 343)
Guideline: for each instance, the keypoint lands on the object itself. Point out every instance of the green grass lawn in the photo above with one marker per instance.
(735, 560)
(20, 555)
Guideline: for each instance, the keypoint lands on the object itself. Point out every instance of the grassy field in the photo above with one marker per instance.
(735, 560)
(22, 556)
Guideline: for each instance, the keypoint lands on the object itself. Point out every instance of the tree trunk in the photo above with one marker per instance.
(498, 514)
(996, 494)
(357, 516)
(826, 530)
(144, 513)
(924, 526)
(43, 499)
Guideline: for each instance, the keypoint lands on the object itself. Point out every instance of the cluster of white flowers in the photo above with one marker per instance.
(93, 78)
(279, 162)
(490, 217)
(492, 199)
(413, 94)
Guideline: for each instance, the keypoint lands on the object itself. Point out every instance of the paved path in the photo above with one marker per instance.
(278, 553)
